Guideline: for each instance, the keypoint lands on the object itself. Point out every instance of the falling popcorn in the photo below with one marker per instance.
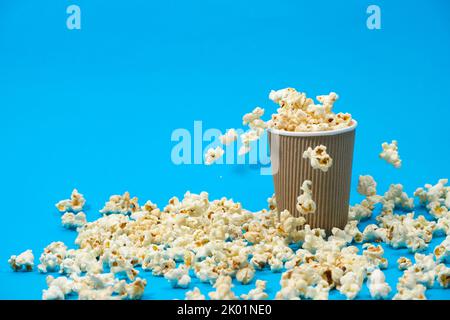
(229, 137)
(212, 155)
(319, 158)
(390, 153)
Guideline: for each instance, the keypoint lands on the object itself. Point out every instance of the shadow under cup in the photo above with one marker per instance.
(330, 190)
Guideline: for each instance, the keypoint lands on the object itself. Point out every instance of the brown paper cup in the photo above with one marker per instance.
(330, 190)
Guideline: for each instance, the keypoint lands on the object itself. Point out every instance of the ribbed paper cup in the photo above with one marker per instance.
(330, 190)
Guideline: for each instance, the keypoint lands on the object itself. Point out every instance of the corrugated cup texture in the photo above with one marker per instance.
(330, 190)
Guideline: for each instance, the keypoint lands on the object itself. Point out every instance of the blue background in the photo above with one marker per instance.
(95, 108)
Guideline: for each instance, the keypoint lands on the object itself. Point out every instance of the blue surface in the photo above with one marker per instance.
(95, 108)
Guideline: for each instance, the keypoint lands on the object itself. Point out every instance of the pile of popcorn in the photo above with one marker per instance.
(218, 240)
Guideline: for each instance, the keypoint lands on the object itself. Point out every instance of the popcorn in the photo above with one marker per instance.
(443, 277)
(70, 220)
(131, 291)
(194, 294)
(52, 257)
(403, 263)
(318, 157)
(229, 137)
(250, 118)
(367, 186)
(378, 287)
(22, 262)
(299, 113)
(351, 284)
(218, 240)
(120, 205)
(223, 289)
(179, 277)
(58, 288)
(245, 275)
(305, 203)
(442, 251)
(74, 204)
(390, 153)
(406, 231)
(415, 293)
(436, 198)
(374, 255)
(258, 293)
(400, 199)
(212, 155)
(374, 233)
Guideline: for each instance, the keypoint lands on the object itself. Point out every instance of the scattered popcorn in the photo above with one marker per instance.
(258, 293)
(229, 137)
(212, 155)
(74, 204)
(390, 153)
(378, 287)
(305, 203)
(179, 277)
(71, 220)
(218, 240)
(195, 294)
(319, 158)
(22, 262)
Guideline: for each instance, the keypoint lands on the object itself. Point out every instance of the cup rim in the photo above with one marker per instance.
(314, 133)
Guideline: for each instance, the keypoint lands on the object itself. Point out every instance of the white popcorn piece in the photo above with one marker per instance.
(398, 197)
(350, 285)
(245, 275)
(131, 291)
(258, 293)
(23, 261)
(74, 204)
(58, 288)
(367, 186)
(52, 257)
(194, 294)
(442, 251)
(53, 293)
(305, 204)
(229, 137)
(223, 289)
(378, 287)
(374, 255)
(213, 154)
(179, 277)
(415, 293)
(318, 158)
(404, 263)
(390, 153)
(443, 277)
(72, 221)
